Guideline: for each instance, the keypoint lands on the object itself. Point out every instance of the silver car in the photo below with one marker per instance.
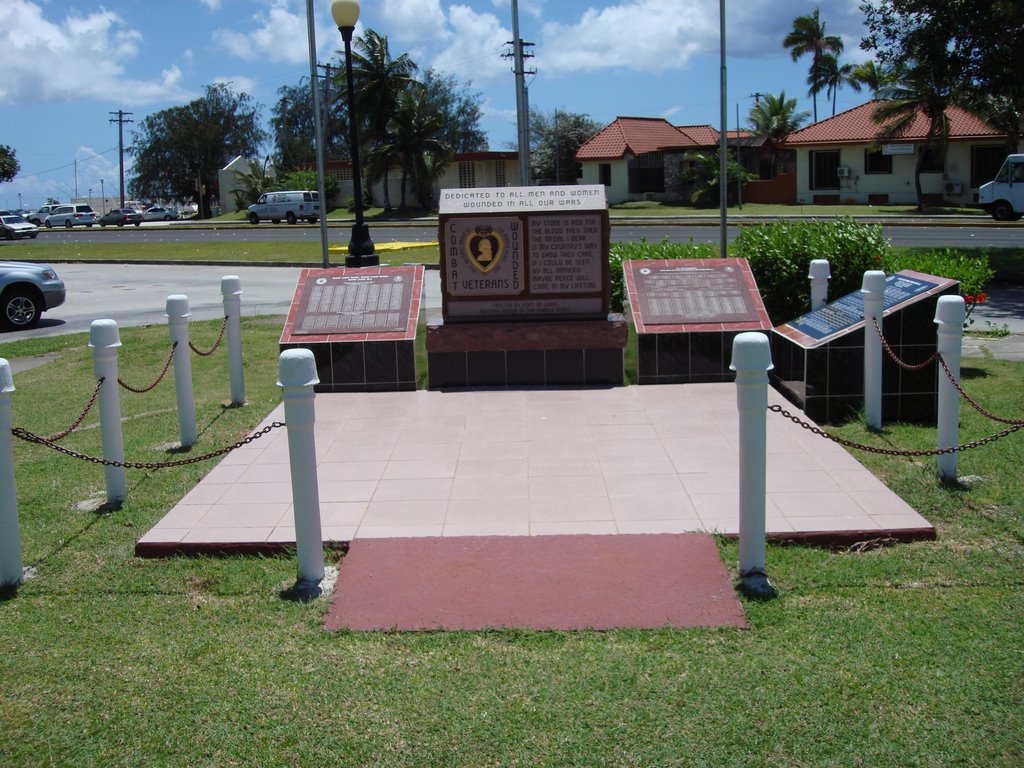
(71, 215)
(26, 291)
(13, 227)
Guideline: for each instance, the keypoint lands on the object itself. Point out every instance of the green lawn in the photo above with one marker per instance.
(904, 655)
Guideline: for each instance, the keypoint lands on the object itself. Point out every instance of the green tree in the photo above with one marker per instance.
(704, 174)
(180, 148)
(879, 79)
(459, 109)
(253, 184)
(9, 166)
(774, 117)
(808, 36)
(554, 140)
(1004, 113)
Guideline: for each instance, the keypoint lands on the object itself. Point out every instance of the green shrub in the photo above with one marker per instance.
(780, 256)
(619, 252)
(970, 268)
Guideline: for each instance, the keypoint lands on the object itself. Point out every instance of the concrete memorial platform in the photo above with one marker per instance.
(525, 290)
(687, 312)
(819, 356)
(360, 325)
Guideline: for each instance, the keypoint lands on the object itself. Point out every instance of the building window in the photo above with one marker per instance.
(647, 173)
(934, 161)
(876, 162)
(604, 174)
(825, 169)
(467, 175)
(985, 163)
(499, 173)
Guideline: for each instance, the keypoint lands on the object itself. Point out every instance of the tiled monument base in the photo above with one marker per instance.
(557, 353)
(360, 325)
(825, 377)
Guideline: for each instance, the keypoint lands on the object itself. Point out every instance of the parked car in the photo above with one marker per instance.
(71, 215)
(26, 291)
(290, 206)
(120, 217)
(15, 226)
(38, 217)
(159, 213)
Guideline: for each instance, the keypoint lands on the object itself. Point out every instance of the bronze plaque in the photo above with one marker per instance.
(354, 303)
(693, 294)
(566, 254)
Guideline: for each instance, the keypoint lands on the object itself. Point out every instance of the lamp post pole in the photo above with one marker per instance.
(103, 198)
(360, 247)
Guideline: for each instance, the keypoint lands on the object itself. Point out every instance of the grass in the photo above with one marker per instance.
(905, 655)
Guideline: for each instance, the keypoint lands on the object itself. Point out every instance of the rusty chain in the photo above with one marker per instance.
(892, 451)
(143, 390)
(971, 401)
(28, 437)
(223, 327)
(75, 424)
(892, 354)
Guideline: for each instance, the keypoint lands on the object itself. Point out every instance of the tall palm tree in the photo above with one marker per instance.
(378, 80)
(774, 117)
(919, 93)
(808, 36)
(832, 75)
(1004, 113)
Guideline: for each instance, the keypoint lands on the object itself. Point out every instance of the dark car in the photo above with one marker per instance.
(120, 217)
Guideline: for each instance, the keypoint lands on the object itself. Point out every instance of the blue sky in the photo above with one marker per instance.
(70, 63)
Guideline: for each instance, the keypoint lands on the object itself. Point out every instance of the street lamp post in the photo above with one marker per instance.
(360, 247)
(103, 198)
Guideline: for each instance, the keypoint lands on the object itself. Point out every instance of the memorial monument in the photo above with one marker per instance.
(360, 325)
(686, 313)
(525, 290)
(819, 356)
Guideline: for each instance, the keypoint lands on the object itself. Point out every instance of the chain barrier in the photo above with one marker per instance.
(28, 437)
(892, 354)
(143, 390)
(77, 422)
(892, 451)
(971, 401)
(223, 327)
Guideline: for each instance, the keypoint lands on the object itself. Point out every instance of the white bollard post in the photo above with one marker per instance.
(873, 289)
(296, 377)
(752, 359)
(104, 341)
(177, 322)
(231, 289)
(11, 569)
(950, 314)
(819, 274)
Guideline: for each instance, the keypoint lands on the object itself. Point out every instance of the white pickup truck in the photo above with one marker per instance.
(1003, 197)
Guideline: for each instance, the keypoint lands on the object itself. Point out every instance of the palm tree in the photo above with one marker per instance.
(808, 36)
(378, 81)
(879, 79)
(774, 118)
(1005, 114)
(919, 93)
(831, 74)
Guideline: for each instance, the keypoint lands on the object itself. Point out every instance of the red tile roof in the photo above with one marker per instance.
(635, 135)
(703, 135)
(857, 126)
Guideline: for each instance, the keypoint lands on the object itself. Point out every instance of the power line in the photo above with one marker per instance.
(66, 165)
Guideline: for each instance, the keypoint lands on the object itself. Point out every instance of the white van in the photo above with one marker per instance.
(290, 206)
(1003, 197)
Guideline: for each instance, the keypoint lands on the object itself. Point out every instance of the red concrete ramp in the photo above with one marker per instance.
(535, 582)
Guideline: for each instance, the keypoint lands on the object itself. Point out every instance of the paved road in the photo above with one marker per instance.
(928, 235)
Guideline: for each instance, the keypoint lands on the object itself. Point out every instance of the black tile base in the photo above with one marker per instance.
(363, 366)
(685, 358)
(527, 368)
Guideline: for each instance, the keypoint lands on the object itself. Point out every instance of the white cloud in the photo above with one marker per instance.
(475, 46)
(238, 83)
(94, 51)
(213, 5)
(532, 7)
(280, 35)
(417, 21)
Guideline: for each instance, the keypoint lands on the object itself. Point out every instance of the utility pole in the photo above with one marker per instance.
(325, 106)
(522, 96)
(121, 120)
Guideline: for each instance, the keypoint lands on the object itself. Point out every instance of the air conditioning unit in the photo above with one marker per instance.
(843, 172)
(954, 187)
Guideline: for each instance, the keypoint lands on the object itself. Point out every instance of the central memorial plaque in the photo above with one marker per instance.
(524, 253)
(345, 303)
(693, 294)
(525, 290)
